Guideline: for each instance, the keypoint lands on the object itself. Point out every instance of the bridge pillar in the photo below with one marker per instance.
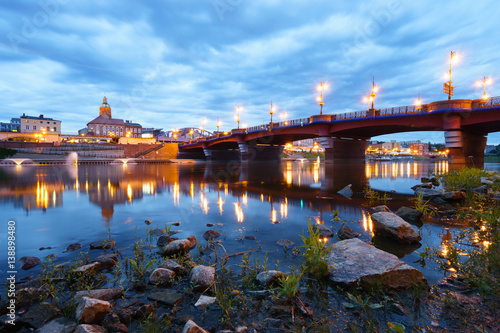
(260, 153)
(221, 155)
(345, 150)
(465, 148)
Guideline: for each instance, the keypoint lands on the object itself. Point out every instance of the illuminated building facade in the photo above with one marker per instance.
(106, 125)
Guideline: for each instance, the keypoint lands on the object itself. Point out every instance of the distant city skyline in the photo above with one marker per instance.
(170, 64)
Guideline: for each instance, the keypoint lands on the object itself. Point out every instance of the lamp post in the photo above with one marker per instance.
(320, 97)
(271, 113)
(485, 81)
(453, 55)
(238, 110)
(284, 115)
(218, 125)
(190, 135)
(371, 97)
(418, 103)
(203, 124)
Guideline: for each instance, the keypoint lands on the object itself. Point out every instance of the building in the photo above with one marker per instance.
(13, 126)
(40, 124)
(106, 125)
(419, 148)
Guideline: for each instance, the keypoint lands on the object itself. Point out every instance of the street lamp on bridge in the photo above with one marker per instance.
(218, 125)
(418, 103)
(321, 87)
(371, 97)
(238, 110)
(484, 81)
(273, 108)
(448, 88)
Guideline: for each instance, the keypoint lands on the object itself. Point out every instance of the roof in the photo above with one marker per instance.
(106, 121)
(39, 118)
(133, 124)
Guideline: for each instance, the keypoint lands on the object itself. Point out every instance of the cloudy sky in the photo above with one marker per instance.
(170, 63)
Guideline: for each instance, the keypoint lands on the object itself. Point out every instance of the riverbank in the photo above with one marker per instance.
(141, 300)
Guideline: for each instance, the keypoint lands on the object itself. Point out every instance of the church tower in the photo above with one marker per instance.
(105, 109)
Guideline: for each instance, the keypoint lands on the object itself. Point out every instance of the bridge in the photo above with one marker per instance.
(465, 123)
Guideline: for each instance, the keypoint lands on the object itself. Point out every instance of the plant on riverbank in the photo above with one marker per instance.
(464, 179)
(223, 293)
(139, 266)
(314, 257)
(366, 309)
(422, 206)
(289, 285)
(374, 196)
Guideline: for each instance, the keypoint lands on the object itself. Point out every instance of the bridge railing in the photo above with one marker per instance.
(402, 110)
(492, 101)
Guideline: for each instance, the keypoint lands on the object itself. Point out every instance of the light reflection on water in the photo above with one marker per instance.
(59, 205)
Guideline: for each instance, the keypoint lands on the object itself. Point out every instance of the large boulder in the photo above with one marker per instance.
(202, 277)
(409, 214)
(353, 261)
(179, 246)
(91, 310)
(85, 328)
(381, 208)
(392, 226)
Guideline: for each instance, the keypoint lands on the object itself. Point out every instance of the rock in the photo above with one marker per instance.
(179, 246)
(381, 208)
(454, 195)
(420, 186)
(210, 225)
(58, 325)
(346, 191)
(409, 214)
(205, 301)
(481, 189)
(284, 242)
(438, 200)
(107, 260)
(161, 276)
(176, 223)
(73, 247)
(148, 222)
(84, 328)
(163, 240)
(250, 237)
(45, 248)
(486, 181)
(40, 314)
(89, 268)
(91, 310)
(29, 262)
(392, 226)
(157, 232)
(241, 329)
(211, 234)
(102, 244)
(169, 298)
(354, 262)
(191, 327)
(269, 278)
(347, 233)
(202, 277)
(324, 231)
(117, 328)
(173, 266)
(101, 294)
(427, 193)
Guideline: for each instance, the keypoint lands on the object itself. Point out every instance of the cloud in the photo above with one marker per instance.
(169, 63)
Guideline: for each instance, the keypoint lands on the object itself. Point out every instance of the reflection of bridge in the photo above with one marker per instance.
(466, 124)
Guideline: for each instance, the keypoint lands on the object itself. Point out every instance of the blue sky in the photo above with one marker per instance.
(169, 63)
